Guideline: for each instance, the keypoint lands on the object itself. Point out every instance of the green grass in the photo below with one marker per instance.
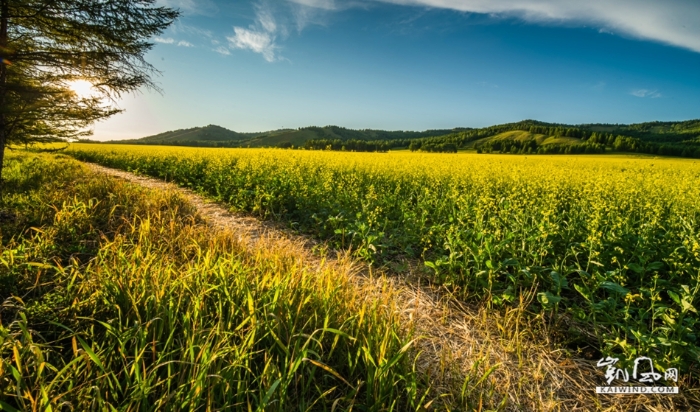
(117, 298)
(295, 137)
(518, 135)
(561, 140)
(524, 136)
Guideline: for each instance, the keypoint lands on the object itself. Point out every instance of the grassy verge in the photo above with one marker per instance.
(117, 298)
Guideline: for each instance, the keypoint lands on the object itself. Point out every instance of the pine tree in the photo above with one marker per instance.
(46, 44)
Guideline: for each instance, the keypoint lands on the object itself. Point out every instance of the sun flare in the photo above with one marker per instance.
(82, 88)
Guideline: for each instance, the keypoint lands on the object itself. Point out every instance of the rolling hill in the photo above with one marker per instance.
(209, 133)
(216, 136)
(527, 136)
(523, 136)
(668, 132)
(530, 136)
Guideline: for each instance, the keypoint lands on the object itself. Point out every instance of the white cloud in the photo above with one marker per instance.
(305, 15)
(170, 40)
(264, 16)
(319, 4)
(653, 94)
(308, 12)
(222, 50)
(259, 37)
(181, 28)
(675, 22)
(257, 41)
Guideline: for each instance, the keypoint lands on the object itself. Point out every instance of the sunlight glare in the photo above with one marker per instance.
(82, 88)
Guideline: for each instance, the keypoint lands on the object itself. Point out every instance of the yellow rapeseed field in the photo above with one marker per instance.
(610, 243)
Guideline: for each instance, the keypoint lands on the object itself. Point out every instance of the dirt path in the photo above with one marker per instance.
(457, 342)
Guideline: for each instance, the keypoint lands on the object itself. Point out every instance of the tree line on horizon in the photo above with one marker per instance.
(656, 138)
(592, 142)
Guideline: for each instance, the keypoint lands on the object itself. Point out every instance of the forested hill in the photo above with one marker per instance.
(208, 134)
(530, 136)
(216, 136)
(664, 132)
(524, 137)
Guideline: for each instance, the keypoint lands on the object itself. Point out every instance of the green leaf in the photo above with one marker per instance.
(559, 281)
(497, 300)
(6, 407)
(674, 296)
(90, 353)
(329, 369)
(548, 300)
(636, 268)
(509, 294)
(510, 262)
(338, 332)
(584, 292)
(687, 306)
(655, 266)
(614, 287)
(268, 395)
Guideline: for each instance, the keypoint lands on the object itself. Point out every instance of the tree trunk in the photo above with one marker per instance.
(4, 12)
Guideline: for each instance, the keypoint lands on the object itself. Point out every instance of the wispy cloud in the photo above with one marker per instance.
(316, 12)
(273, 20)
(652, 94)
(319, 4)
(266, 20)
(675, 22)
(181, 28)
(164, 40)
(257, 41)
(222, 50)
(259, 37)
(170, 40)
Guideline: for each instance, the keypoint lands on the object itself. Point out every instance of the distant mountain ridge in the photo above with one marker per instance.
(218, 136)
(210, 133)
(680, 138)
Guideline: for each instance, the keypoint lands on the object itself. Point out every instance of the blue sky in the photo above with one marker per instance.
(418, 64)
